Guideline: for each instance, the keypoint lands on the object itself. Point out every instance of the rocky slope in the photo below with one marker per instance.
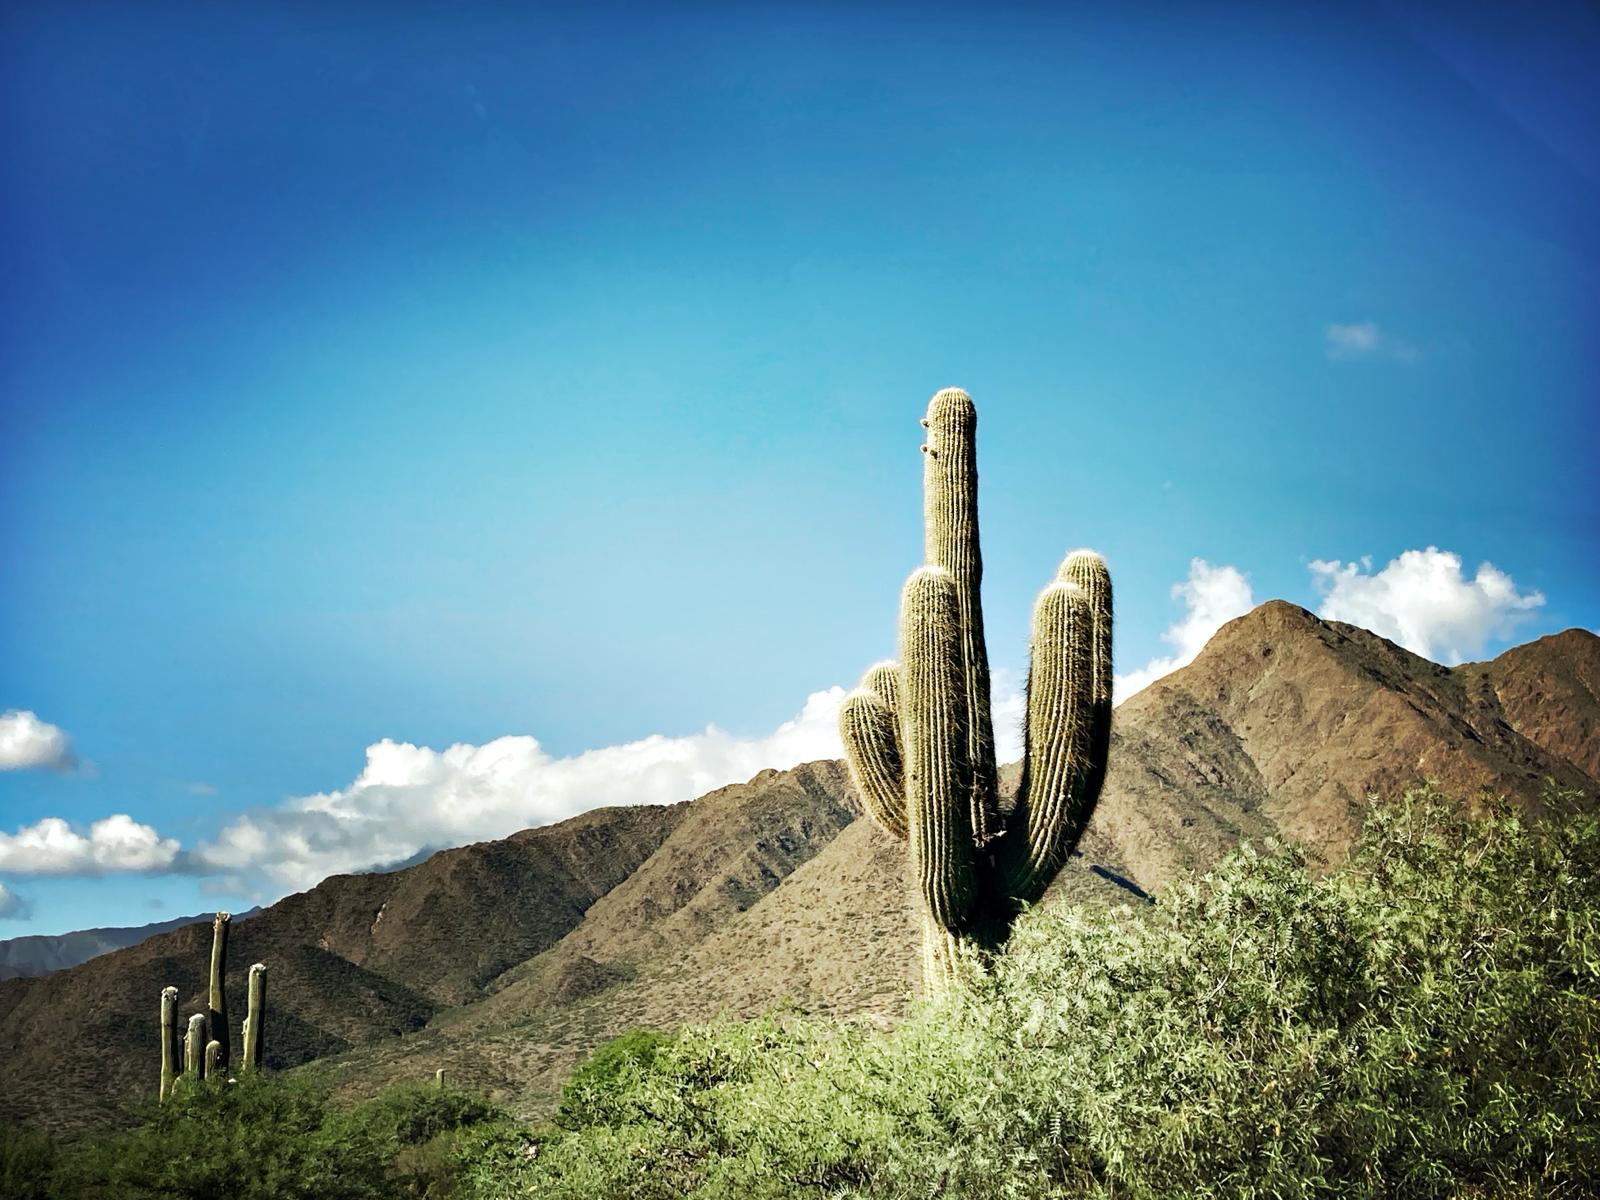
(508, 961)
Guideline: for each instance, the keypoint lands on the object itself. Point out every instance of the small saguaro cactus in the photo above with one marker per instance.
(169, 1040)
(194, 1050)
(214, 1071)
(256, 1010)
(920, 737)
(218, 1004)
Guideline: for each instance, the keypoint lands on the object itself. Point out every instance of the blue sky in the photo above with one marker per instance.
(545, 381)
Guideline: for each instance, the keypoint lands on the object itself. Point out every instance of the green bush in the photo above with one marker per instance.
(260, 1138)
(611, 1072)
(27, 1164)
(1424, 1022)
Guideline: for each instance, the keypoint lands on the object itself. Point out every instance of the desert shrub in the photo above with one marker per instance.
(420, 1126)
(413, 1113)
(27, 1164)
(1424, 1022)
(269, 1137)
(592, 1095)
(259, 1138)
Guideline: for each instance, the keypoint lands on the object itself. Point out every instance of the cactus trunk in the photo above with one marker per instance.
(194, 1050)
(218, 1003)
(169, 1040)
(920, 737)
(214, 1071)
(256, 1014)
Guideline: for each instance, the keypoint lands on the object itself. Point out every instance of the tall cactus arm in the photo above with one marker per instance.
(1088, 570)
(950, 516)
(869, 727)
(219, 997)
(169, 1040)
(256, 1015)
(934, 733)
(194, 1048)
(1068, 703)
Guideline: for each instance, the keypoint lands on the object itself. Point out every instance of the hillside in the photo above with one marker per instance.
(506, 962)
(1280, 728)
(357, 957)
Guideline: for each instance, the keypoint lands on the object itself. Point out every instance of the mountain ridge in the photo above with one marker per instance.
(31, 954)
(507, 961)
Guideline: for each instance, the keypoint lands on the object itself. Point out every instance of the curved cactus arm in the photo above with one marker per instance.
(934, 734)
(950, 515)
(869, 727)
(169, 1040)
(884, 679)
(218, 996)
(1069, 719)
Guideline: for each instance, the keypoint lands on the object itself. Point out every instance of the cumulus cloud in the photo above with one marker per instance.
(1213, 596)
(1423, 601)
(12, 906)
(1365, 340)
(408, 798)
(26, 741)
(117, 843)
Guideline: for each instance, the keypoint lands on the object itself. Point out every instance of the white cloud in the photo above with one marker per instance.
(1213, 596)
(412, 797)
(12, 906)
(26, 741)
(1008, 709)
(117, 843)
(1365, 340)
(1423, 601)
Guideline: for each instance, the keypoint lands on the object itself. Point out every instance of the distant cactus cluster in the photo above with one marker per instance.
(201, 1055)
(920, 737)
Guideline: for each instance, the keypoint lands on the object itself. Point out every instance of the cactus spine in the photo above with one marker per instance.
(169, 1040)
(920, 737)
(218, 1004)
(255, 1014)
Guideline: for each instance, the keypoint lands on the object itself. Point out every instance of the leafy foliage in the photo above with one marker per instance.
(612, 1071)
(259, 1138)
(1425, 1022)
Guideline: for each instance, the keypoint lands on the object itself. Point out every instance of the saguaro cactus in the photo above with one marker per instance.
(194, 1050)
(218, 1004)
(920, 738)
(214, 1071)
(255, 1014)
(169, 1040)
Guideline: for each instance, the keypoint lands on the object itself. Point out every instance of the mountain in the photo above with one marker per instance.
(1280, 728)
(506, 962)
(356, 958)
(39, 954)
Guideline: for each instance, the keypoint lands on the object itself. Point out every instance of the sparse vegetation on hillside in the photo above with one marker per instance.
(1425, 1022)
